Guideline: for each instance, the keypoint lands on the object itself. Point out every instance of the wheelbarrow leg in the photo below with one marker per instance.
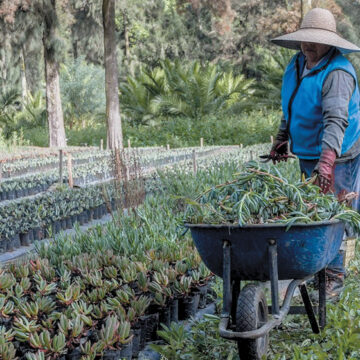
(309, 309)
(235, 294)
(322, 299)
(226, 279)
(274, 277)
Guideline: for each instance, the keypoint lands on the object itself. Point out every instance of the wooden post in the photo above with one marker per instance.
(101, 144)
(251, 155)
(129, 143)
(60, 166)
(69, 169)
(167, 147)
(241, 146)
(201, 142)
(272, 139)
(194, 161)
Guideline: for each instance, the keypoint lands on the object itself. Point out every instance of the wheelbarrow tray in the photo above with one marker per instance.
(302, 250)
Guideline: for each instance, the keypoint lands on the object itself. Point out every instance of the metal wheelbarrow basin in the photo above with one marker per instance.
(302, 250)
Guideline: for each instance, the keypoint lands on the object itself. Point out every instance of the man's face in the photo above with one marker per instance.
(313, 51)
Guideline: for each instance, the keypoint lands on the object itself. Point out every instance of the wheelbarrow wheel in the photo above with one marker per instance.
(251, 314)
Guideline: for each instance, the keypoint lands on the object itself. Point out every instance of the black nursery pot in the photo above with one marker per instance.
(203, 292)
(126, 351)
(24, 239)
(136, 340)
(74, 355)
(3, 245)
(186, 307)
(63, 224)
(38, 233)
(17, 242)
(164, 316)
(142, 325)
(11, 194)
(57, 226)
(196, 295)
(152, 326)
(68, 223)
(112, 355)
(31, 236)
(174, 310)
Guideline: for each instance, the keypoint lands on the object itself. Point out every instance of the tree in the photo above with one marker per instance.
(42, 16)
(114, 128)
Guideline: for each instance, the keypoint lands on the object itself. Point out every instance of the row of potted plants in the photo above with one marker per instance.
(104, 303)
(31, 219)
(147, 157)
(29, 164)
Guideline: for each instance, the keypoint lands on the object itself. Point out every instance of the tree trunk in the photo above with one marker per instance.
(126, 35)
(53, 99)
(306, 5)
(24, 89)
(53, 105)
(114, 129)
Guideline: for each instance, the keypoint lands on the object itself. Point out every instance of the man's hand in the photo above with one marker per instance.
(325, 171)
(279, 151)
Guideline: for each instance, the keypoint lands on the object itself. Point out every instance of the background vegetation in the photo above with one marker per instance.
(188, 68)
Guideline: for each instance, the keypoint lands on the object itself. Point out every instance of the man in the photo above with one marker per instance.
(321, 122)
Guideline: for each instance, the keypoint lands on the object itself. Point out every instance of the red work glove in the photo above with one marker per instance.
(325, 171)
(279, 151)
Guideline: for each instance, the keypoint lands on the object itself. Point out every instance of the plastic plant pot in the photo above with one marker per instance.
(63, 224)
(68, 223)
(74, 354)
(3, 246)
(164, 316)
(174, 310)
(203, 292)
(196, 295)
(81, 219)
(11, 194)
(111, 355)
(186, 307)
(126, 351)
(24, 239)
(57, 226)
(10, 245)
(152, 326)
(19, 193)
(31, 236)
(38, 233)
(17, 242)
(136, 341)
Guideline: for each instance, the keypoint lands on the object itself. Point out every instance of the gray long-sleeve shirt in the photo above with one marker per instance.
(336, 93)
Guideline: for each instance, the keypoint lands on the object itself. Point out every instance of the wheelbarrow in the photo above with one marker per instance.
(268, 252)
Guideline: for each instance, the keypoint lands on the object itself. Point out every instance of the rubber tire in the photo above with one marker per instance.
(251, 314)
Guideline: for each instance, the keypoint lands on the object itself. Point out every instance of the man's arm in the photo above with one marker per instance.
(336, 93)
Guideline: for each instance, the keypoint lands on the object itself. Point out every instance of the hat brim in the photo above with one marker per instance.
(319, 36)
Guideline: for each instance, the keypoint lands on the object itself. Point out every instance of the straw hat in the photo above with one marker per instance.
(318, 26)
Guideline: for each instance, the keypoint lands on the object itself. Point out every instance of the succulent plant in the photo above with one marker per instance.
(6, 307)
(23, 328)
(71, 294)
(7, 349)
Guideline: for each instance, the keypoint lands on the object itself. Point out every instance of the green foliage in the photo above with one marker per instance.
(270, 70)
(247, 128)
(9, 104)
(83, 91)
(33, 113)
(174, 89)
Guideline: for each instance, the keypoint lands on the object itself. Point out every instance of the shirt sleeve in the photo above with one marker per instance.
(336, 93)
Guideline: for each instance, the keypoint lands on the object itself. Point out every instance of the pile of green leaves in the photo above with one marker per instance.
(259, 195)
